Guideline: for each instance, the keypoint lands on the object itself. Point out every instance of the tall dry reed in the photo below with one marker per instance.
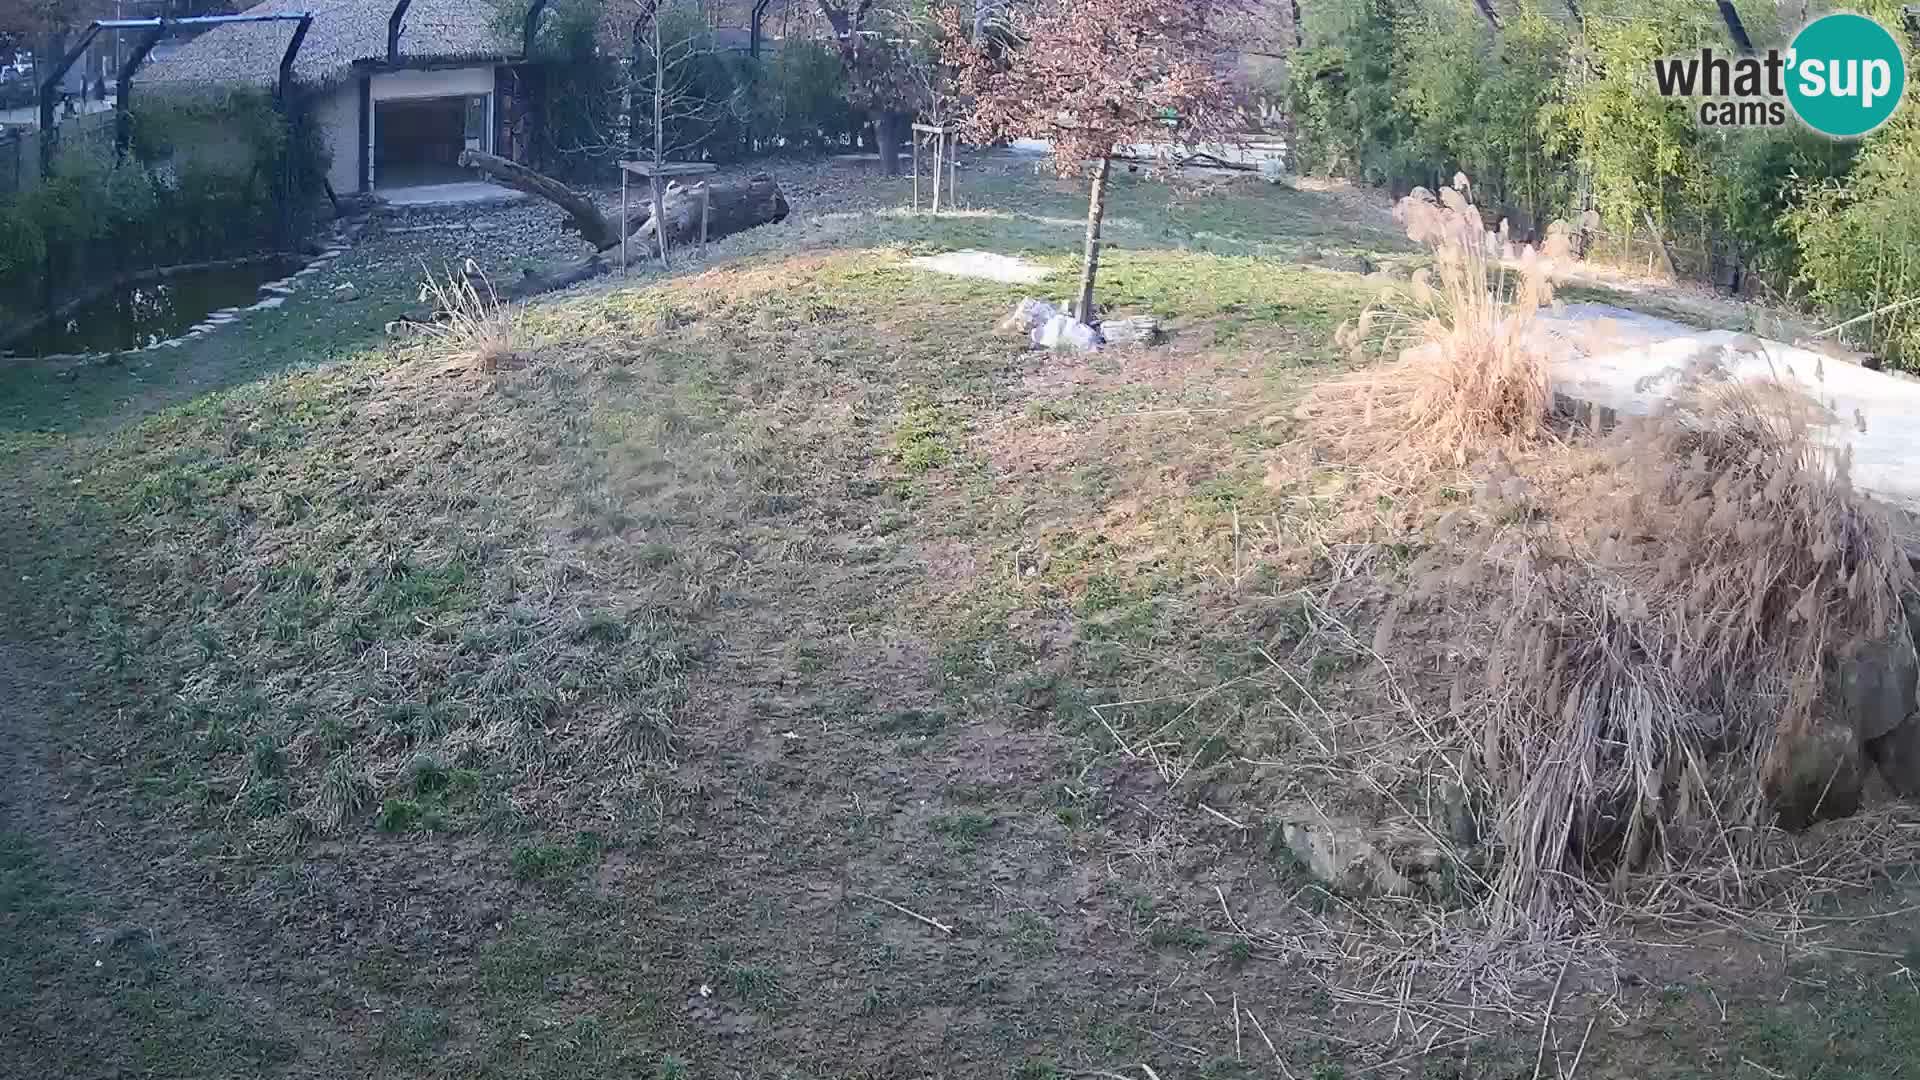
(1469, 371)
(1659, 629)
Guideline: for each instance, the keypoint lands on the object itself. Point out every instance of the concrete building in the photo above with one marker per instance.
(398, 120)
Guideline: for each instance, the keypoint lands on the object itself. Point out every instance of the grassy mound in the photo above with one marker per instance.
(419, 592)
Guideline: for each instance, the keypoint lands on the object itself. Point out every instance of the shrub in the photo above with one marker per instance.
(473, 327)
(801, 99)
(1471, 374)
(722, 105)
(201, 181)
(1859, 243)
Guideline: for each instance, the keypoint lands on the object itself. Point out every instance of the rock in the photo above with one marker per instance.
(1358, 860)
(269, 303)
(1064, 333)
(1132, 330)
(1873, 683)
(1896, 752)
(1815, 774)
(345, 292)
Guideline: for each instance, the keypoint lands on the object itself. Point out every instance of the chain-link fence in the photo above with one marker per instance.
(19, 160)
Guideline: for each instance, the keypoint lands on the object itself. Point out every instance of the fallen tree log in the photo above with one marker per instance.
(733, 206)
(594, 227)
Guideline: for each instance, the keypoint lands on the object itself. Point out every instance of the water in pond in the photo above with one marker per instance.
(152, 310)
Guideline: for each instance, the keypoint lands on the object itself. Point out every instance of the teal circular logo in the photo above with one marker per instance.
(1845, 75)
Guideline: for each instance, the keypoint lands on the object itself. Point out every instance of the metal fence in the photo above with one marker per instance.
(19, 160)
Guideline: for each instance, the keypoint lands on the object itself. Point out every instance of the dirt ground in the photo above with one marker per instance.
(770, 671)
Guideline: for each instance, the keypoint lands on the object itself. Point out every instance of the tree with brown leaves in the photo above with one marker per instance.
(1093, 75)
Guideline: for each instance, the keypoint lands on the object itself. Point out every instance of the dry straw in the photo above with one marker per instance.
(1469, 372)
(1660, 625)
(1646, 621)
(472, 326)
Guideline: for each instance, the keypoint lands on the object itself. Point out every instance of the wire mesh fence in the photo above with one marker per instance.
(19, 161)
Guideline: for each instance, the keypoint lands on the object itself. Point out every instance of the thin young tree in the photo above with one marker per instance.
(1093, 75)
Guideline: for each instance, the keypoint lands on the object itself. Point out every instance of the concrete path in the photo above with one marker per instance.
(466, 193)
(1625, 361)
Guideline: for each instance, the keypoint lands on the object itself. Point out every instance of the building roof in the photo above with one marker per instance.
(344, 31)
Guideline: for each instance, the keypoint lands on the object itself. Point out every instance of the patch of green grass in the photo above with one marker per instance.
(754, 984)
(414, 1033)
(964, 831)
(921, 440)
(407, 815)
(922, 722)
(147, 1010)
(1173, 935)
(552, 862)
(1031, 935)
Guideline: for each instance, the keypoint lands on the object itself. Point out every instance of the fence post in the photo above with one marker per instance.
(123, 92)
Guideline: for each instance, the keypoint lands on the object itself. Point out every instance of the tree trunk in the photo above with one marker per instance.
(1660, 240)
(1735, 28)
(663, 241)
(1090, 264)
(725, 210)
(593, 225)
(886, 138)
(735, 206)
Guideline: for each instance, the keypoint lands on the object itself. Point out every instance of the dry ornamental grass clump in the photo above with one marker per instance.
(1661, 626)
(1469, 372)
(472, 327)
(1649, 623)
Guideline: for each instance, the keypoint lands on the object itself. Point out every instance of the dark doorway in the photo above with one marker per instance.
(419, 140)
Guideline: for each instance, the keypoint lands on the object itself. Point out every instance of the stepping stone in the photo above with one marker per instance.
(269, 304)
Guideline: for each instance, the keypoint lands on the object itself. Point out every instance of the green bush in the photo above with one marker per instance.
(723, 105)
(1554, 114)
(1859, 241)
(1406, 92)
(201, 181)
(800, 100)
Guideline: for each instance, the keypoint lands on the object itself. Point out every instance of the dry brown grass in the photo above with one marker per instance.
(1657, 612)
(1638, 629)
(1469, 372)
(472, 326)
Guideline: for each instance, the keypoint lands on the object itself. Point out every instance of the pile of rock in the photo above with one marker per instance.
(1053, 327)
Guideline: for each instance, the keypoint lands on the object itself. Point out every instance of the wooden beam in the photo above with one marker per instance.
(123, 90)
(283, 93)
(395, 23)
